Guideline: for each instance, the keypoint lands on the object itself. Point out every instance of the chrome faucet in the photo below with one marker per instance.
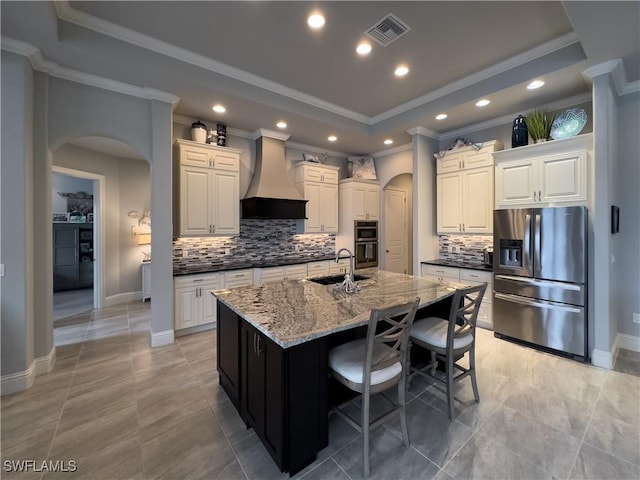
(347, 284)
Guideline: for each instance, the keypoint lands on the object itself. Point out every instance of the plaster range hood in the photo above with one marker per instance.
(272, 194)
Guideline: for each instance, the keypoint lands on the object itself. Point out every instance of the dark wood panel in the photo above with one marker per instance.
(228, 350)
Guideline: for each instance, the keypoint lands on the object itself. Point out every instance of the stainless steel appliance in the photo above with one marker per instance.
(487, 253)
(540, 277)
(366, 244)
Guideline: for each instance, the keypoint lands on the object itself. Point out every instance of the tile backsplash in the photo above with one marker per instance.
(466, 248)
(259, 240)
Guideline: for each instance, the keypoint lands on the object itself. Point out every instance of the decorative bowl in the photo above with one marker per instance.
(569, 123)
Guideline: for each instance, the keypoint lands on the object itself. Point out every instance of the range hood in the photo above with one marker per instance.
(272, 194)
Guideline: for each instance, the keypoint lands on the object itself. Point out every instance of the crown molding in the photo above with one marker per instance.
(312, 149)
(618, 74)
(263, 132)
(69, 14)
(236, 132)
(392, 151)
(39, 63)
(504, 66)
(424, 131)
(506, 119)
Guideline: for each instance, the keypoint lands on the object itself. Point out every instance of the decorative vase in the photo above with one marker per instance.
(520, 134)
(221, 130)
(199, 132)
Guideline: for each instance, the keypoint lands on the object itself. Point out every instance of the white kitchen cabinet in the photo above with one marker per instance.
(340, 267)
(360, 199)
(545, 174)
(475, 277)
(465, 158)
(319, 185)
(464, 185)
(465, 201)
(278, 274)
(193, 303)
(468, 277)
(318, 269)
(146, 280)
(439, 273)
(238, 278)
(208, 189)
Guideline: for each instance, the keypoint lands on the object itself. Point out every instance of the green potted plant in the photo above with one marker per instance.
(539, 123)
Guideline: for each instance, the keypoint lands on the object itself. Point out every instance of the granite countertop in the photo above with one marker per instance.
(296, 311)
(210, 267)
(447, 262)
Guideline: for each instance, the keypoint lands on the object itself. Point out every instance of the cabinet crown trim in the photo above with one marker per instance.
(579, 142)
(191, 143)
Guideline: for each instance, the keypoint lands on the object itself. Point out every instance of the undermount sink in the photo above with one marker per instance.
(336, 279)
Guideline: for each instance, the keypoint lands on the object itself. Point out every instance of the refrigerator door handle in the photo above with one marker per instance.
(537, 248)
(533, 281)
(526, 254)
(534, 303)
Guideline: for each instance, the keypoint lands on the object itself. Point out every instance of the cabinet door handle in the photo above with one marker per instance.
(464, 228)
(213, 229)
(539, 195)
(258, 351)
(254, 342)
(534, 196)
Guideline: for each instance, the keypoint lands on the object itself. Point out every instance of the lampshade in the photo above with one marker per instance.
(144, 239)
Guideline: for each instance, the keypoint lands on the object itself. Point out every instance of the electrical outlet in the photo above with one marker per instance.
(636, 318)
(227, 251)
(1, 269)
(450, 248)
(185, 253)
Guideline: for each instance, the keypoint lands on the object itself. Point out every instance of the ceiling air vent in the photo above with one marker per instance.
(387, 29)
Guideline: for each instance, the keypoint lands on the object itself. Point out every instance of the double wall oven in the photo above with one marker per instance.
(366, 244)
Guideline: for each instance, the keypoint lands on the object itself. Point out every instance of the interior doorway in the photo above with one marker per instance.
(398, 229)
(78, 248)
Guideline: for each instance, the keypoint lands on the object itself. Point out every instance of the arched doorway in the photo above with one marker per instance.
(397, 236)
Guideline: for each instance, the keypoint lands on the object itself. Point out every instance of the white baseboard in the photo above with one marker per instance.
(45, 364)
(121, 298)
(158, 339)
(630, 342)
(602, 359)
(19, 381)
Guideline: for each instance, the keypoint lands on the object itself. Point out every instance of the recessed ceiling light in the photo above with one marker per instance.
(219, 108)
(332, 138)
(281, 124)
(535, 84)
(388, 141)
(363, 48)
(315, 21)
(401, 70)
(441, 116)
(483, 103)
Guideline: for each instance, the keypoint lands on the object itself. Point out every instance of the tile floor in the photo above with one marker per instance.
(123, 410)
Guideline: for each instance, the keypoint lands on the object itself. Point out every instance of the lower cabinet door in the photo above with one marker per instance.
(253, 387)
(228, 352)
(186, 308)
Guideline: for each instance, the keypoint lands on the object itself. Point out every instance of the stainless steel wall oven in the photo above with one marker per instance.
(366, 244)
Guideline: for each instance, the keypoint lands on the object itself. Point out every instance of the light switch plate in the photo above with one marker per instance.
(636, 318)
(185, 253)
(227, 251)
(1, 269)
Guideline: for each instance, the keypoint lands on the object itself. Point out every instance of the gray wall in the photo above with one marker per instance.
(16, 237)
(626, 297)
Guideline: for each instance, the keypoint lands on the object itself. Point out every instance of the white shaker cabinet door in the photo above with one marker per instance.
(225, 191)
(329, 208)
(449, 215)
(186, 308)
(563, 178)
(313, 193)
(477, 195)
(195, 208)
(515, 183)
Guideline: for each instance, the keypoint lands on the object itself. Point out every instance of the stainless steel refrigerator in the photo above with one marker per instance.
(540, 277)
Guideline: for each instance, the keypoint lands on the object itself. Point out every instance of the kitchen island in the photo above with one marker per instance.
(272, 347)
